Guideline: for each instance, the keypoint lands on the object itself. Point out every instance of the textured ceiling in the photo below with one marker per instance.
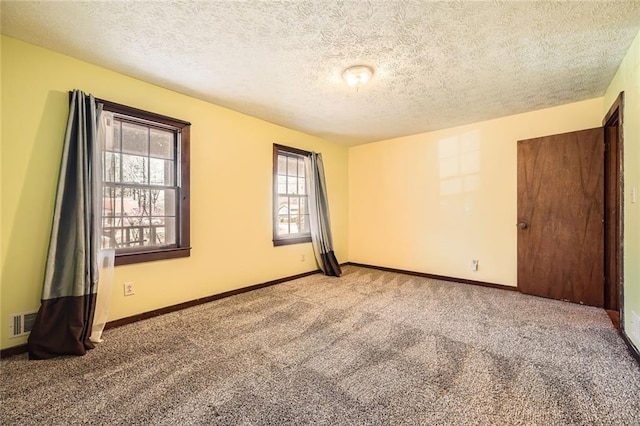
(437, 64)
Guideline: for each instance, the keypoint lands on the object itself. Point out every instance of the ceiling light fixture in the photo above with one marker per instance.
(357, 76)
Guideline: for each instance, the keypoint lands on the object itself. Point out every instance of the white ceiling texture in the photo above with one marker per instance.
(437, 64)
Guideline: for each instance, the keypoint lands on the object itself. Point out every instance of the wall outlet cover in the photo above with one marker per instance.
(474, 264)
(129, 289)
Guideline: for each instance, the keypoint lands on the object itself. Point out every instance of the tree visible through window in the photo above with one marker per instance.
(145, 213)
(291, 211)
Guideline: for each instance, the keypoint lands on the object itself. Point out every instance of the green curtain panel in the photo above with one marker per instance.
(64, 321)
(319, 217)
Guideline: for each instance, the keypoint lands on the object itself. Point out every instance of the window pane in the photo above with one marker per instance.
(162, 143)
(113, 144)
(147, 240)
(117, 237)
(282, 184)
(163, 202)
(155, 236)
(135, 139)
(304, 223)
(135, 205)
(132, 235)
(122, 237)
(119, 200)
(290, 212)
(161, 171)
(134, 169)
(108, 236)
(303, 205)
(144, 204)
(142, 207)
(111, 167)
(292, 166)
(294, 205)
(291, 185)
(140, 216)
(283, 205)
(283, 224)
(109, 201)
(167, 232)
(294, 221)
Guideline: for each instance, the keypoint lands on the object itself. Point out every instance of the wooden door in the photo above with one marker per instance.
(560, 216)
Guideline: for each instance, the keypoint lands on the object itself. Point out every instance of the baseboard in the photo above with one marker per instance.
(614, 316)
(436, 277)
(168, 309)
(632, 348)
(16, 350)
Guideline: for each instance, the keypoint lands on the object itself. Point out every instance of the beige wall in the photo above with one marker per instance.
(627, 80)
(434, 201)
(231, 178)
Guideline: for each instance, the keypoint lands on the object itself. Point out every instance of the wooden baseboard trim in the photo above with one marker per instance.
(150, 314)
(614, 316)
(436, 277)
(16, 350)
(635, 353)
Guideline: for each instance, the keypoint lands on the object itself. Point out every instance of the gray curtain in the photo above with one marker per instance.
(64, 321)
(319, 217)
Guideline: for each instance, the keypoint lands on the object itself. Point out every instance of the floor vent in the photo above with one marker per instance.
(21, 324)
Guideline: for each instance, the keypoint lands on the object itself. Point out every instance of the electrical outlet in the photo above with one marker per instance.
(474, 264)
(128, 289)
(302, 258)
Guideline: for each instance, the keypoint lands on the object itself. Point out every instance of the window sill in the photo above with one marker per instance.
(150, 256)
(287, 241)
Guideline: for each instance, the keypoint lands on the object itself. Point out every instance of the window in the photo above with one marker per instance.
(145, 177)
(290, 202)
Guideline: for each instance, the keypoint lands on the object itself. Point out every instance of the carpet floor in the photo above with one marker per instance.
(371, 347)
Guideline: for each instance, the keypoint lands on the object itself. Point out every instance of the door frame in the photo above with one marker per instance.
(615, 118)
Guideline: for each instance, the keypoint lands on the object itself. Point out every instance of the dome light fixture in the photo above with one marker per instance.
(357, 76)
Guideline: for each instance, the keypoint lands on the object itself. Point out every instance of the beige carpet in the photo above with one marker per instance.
(370, 347)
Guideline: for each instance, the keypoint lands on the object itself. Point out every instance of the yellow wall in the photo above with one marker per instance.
(627, 79)
(432, 202)
(231, 167)
(429, 202)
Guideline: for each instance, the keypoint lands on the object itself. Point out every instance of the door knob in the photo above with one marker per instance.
(523, 225)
